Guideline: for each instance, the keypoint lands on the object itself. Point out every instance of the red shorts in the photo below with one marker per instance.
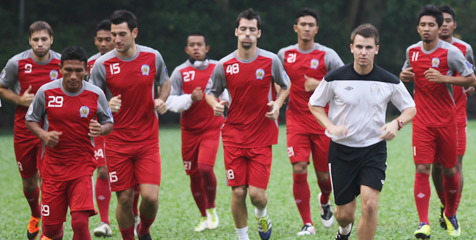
(56, 196)
(301, 145)
(100, 151)
(28, 155)
(132, 164)
(248, 166)
(461, 139)
(434, 144)
(199, 148)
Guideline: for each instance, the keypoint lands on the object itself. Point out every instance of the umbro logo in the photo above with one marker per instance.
(348, 88)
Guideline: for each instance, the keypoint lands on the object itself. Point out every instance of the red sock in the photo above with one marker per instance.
(209, 183)
(32, 199)
(198, 192)
(451, 186)
(80, 224)
(52, 231)
(128, 233)
(458, 199)
(422, 192)
(302, 196)
(145, 224)
(135, 205)
(103, 197)
(441, 196)
(326, 189)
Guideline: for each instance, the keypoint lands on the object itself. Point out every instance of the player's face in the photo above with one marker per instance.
(73, 72)
(103, 41)
(364, 50)
(123, 37)
(428, 29)
(448, 27)
(306, 28)
(248, 33)
(196, 48)
(40, 42)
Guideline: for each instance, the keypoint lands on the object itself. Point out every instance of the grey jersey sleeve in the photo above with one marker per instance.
(279, 74)
(322, 95)
(176, 82)
(37, 110)
(103, 114)
(9, 75)
(406, 64)
(401, 98)
(470, 55)
(217, 83)
(333, 60)
(162, 76)
(457, 62)
(281, 55)
(98, 75)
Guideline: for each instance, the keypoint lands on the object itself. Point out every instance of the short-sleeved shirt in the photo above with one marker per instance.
(134, 78)
(22, 71)
(459, 95)
(250, 85)
(359, 102)
(184, 79)
(434, 101)
(92, 60)
(314, 63)
(69, 113)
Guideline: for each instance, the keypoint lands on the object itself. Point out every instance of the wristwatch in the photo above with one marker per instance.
(400, 123)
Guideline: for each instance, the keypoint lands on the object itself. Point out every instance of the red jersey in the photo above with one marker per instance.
(250, 85)
(184, 79)
(313, 63)
(23, 71)
(69, 113)
(434, 101)
(134, 78)
(98, 141)
(459, 95)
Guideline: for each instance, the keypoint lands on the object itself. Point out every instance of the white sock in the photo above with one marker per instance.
(242, 233)
(345, 230)
(261, 212)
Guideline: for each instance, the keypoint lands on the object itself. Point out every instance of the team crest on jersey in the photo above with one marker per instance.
(435, 62)
(209, 83)
(53, 75)
(30, 110)
(145, 69)
(260, 74)
(3, 74)
(84, 112)
(314, 63)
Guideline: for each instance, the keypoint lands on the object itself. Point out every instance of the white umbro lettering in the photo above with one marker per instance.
(415, 56)
(421, 195)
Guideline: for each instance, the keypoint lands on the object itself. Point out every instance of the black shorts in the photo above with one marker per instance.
(351, 167)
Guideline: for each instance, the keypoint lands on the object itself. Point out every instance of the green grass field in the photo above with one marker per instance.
(178, 214)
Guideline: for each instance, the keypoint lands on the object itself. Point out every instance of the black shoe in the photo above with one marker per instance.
(343, 237)
(145, 237)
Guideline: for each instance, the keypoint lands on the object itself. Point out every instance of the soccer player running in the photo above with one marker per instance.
(200, 128)
(460, 98)
(431, 64)
(358, 94)
(68, 108)
(251, 127)
(104, 44)
(22, 76)
(128, 74)
(306, 63)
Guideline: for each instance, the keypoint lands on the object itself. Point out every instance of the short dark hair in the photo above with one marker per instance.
(249, 14)
(197, 33)
(431, 10)
(449, 10)
(120, 16)
(74, 53)
(104, 24)
(307, 12)
(41, 25)
(365, 30)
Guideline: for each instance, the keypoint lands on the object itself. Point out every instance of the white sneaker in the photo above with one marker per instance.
(136, 225)
(202, 225)
(327, 216)
(103, 230)
(212, 218)
(307, 229)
